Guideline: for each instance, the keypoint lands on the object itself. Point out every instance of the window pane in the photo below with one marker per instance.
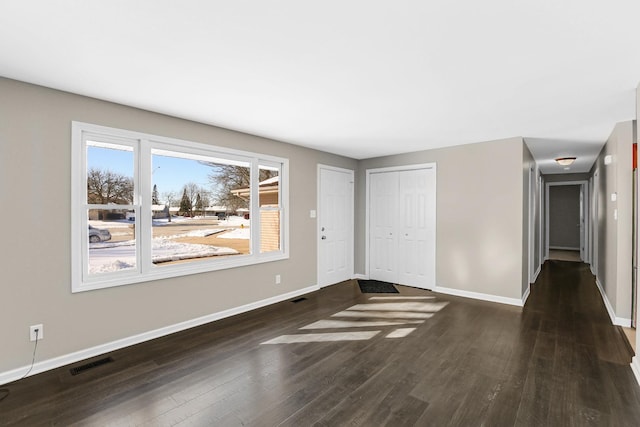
(198, 204)
(196, 207)
(109, 174)
(269, 230)
(269, 186)
(112, 244)
(269, 192)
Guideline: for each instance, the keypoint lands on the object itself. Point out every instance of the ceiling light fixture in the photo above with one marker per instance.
(565, 161)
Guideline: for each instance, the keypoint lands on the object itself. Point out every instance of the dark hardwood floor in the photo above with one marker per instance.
(557, 362)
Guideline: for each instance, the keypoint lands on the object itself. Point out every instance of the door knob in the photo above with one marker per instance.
(324, 237)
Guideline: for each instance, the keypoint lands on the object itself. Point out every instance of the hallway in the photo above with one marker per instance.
(340, 357)
(580, 359)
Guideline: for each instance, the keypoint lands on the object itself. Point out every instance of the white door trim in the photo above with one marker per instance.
(541, 223)
(595, 219)
(351, 220)
(584, 189)
(368, 173)
(532, 237)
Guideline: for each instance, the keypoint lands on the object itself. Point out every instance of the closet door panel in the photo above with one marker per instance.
(382, 224)
(416, 248)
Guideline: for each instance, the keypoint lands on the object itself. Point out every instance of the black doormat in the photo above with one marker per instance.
(376, 287)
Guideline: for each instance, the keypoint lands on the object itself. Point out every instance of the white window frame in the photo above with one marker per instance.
(145, 270)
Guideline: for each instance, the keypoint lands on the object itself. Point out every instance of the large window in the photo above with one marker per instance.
(146, 207)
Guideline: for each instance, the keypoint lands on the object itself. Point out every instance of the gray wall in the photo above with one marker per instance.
(35, 144)
(564, 217)
(481, 226)
(615, 236)
(479, 219)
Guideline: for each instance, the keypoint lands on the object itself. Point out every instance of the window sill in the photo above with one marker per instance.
(178, 270)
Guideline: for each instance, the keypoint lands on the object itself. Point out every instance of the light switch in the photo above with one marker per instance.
(312, 213)
(614, 197)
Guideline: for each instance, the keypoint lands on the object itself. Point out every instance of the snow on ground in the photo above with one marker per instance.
(116, 256)
(237, 233)
(174, 220)
(196, 233)
(109, 257)
(124, 223)
(111, 223)
(167, 250)
(193, 233)
(235, 221)
(231, 221)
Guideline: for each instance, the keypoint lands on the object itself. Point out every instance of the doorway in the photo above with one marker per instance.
(335, 225)
(567, 216)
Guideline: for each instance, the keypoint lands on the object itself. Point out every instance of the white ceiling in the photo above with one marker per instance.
(361, 78)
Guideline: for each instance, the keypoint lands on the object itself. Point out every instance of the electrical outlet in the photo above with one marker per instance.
(36, 331)
(277, 279)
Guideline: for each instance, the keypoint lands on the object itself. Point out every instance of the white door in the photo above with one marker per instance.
(416, 227)
(335, 225)
(382, 222)
(402, 234)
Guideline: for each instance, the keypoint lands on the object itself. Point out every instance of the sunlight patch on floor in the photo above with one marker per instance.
(323, 337)
(430, 307)
(400, 297)
(384, 314)
(331, 324)
(400, 333)
(383, 311)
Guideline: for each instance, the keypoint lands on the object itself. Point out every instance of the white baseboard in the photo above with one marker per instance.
(56, 362)
(620, 321)
(525, 296)
(635, 367)
(361, 276)
(480, 296)
(537, 273)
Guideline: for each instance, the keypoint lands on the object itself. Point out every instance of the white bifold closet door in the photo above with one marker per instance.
(402, 209)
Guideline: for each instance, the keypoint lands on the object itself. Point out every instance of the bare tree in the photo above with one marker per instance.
(105, 186)
(169, 197)
(190, 192)
(206, 201)
(198, 205)
(226, 178)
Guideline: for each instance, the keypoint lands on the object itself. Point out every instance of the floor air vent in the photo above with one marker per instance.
(79, 369)
(299, 300)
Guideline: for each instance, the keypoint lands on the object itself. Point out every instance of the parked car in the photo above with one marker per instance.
(97, 235)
